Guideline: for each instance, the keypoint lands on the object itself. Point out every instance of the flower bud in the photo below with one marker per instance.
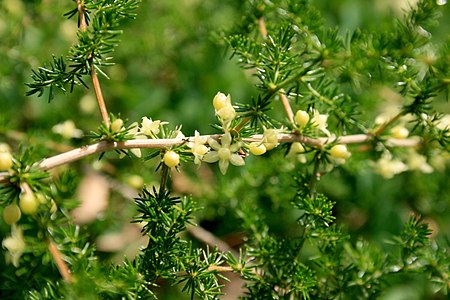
(220, 101)
(399, 132)
(28, 203)
(116, 126)
(6, 161)
(11, 214)
(302, 118)
(257, 148)
(171, 159)
(227, 113)
(270, 139)
(296, 148)
(340, 151)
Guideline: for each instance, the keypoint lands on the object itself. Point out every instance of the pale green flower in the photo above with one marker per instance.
(198, 147)
(67, 129)
(388, 167)
(224, 153)
(151, 128)
(320, 122)
(15, 244)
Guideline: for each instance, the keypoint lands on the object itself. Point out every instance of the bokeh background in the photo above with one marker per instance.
(170, 64)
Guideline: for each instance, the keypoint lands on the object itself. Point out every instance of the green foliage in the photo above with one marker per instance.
(301, 220)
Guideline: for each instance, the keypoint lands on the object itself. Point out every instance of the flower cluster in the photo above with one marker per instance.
(225, 151)
(388, 166)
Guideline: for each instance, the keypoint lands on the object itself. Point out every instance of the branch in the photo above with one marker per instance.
(79, 153)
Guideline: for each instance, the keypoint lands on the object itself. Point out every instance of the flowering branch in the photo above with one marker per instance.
(79, 153)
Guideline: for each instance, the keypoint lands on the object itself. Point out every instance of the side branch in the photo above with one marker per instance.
(95, 82)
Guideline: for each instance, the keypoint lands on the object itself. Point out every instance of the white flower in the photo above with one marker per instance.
(151, 128)
(15, 244)
(388, 167)
(136, 135)
(320, 122)
(443, 123)
(297, 151)
(67, 129)
(270, 138)
(198, 147)
(224, 153)
(418, 162)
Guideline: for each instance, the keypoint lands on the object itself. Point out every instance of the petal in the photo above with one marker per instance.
(226, 140)
(136, 152)
(223, 166)
(211, 157)
(235, 147)
(237, 160)
(214, 144)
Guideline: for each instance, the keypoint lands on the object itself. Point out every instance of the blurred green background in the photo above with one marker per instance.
(169, 66)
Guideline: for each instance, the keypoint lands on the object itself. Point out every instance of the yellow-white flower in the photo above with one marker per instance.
(418, 162)
(67, 129)
(320, 121)
(198, 147)
(297, 151)
(270, 138)
(388, 167)
(151, 128)
(443, 123)
(15, 244)
(136, 135)
(224, 153)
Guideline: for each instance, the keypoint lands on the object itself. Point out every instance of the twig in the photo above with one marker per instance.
(262, 27)
(287, 106)
(210, 239)
(99, 95)
(82, 24)
(60, 263)
(95, 82)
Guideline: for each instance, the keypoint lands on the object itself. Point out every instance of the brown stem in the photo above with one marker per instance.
(210, 239)
(99, 95)
(262, 27)
(60, 263)
(241, 125)
(287, 107)
(81, 16)
(383, 126)
(222, 269)
(95, 82)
